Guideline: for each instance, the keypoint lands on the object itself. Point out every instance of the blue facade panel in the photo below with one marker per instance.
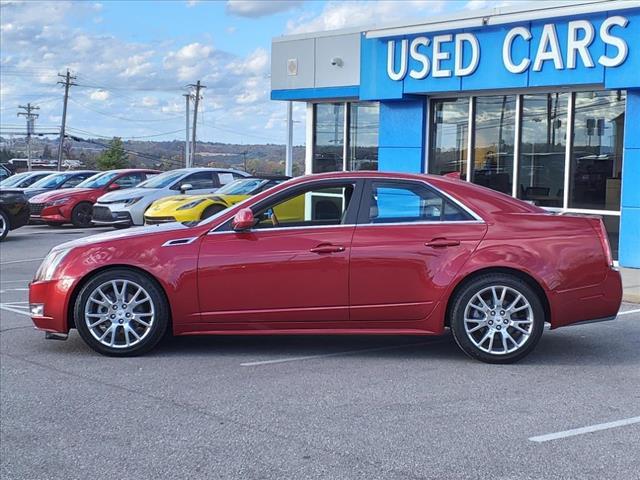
(630, 197)
(626, 75)
(351, 91)
(397, 159)
(401, 135)
(373, 59)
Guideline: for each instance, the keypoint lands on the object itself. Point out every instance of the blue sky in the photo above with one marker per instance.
(133, 60)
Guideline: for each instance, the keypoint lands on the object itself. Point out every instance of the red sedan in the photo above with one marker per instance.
(339, 253)
(75, 205)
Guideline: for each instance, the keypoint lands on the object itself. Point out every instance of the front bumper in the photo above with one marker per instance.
(149, 220)
(46, 213)
(53, 297)
(103, 215)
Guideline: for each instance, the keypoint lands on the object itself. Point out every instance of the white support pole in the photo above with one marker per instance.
(288, 163)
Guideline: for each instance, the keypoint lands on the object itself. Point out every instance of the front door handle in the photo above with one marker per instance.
(442, 243)
(327, 248)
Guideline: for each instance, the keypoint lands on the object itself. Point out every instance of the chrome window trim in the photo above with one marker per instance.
(423, 222)
(476, 218)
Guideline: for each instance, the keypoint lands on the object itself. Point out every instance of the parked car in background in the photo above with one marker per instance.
(25, 179)
(190, 208)
(4, 173)
(370, 253)
(123, 209)
(14, 211)
(75, 205)
(58, 181)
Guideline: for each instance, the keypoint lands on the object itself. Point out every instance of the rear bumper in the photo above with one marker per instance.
(594, 303)
(54, 297)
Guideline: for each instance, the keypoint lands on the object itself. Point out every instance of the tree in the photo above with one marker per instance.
(114, 157)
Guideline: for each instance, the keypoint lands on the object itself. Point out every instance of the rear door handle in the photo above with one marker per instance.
(442, 243)
(327, 248)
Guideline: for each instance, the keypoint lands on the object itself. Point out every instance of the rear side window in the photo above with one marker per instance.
(405, 202)
(129, 180)
(201, 180)
(225, 177)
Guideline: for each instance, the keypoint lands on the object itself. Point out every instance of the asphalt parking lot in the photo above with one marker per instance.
(310, 407)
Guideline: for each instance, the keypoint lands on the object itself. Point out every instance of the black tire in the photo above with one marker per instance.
(81, 215)
(5, 225)
(120, 226)
(158, 324)
(501, 318)
(53, 224)
(212, 210)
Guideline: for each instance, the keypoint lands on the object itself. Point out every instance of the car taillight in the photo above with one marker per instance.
(598, 225)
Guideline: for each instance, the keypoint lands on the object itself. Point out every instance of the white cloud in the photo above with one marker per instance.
(99, 95)
(257, 63)
(487, 4)
(337, 15)
(149, 101)
(260, 8)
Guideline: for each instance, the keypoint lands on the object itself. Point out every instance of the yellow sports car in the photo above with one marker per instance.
(189, 208)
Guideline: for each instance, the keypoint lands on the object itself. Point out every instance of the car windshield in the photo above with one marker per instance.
(51, 181)
(15, 179)
(98, 180)
(243, 186)
(163, 180)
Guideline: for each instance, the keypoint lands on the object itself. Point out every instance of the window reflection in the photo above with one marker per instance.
(543, 148)
(596, 153)
(494, 136)
(449, 136)
(328, 137)
(363, 136)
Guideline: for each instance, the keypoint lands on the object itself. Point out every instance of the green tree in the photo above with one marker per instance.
(114, 157)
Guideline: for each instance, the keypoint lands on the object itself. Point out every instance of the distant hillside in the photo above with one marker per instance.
(257, 158)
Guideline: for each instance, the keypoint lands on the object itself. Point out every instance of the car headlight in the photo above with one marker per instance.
(189, 205)
(58, 202)
(49, 265)
(131, 201)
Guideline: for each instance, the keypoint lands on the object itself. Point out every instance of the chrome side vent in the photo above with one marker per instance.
(179, 241)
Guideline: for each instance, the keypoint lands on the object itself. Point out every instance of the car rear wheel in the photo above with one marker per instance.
(4, 225)
(211, 211)
(497, 318)
(81, 215)
(121, 312)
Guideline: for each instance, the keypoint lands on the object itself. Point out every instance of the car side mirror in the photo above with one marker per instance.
(243, 220)
(113, 186)
(185, 187)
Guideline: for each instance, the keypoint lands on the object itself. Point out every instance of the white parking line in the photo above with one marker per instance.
(8, 308)
(23, 261)
(580, 431)
(627, 312)
(337, 354)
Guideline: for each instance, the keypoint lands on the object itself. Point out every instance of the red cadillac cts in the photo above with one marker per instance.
(339, 253)
(75, 205)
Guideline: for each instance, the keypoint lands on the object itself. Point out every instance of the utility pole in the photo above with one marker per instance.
(67, 82)
(30, 118)
(198, 87)
(187, 152)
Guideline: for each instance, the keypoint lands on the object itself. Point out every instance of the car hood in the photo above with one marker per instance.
(125, 194)
(32, 192)
(63, 193)
(123, 235)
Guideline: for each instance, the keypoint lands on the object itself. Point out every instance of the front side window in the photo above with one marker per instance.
(200, 180)
(98, 180)
(316, 206)
(402, 202)
(449, 136)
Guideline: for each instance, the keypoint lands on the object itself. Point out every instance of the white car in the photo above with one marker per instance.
(126, 208)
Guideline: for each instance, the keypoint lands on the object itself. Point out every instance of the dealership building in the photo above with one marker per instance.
(540, 101)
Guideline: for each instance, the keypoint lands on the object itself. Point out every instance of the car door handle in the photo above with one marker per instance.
(327, 249)
(442, 243)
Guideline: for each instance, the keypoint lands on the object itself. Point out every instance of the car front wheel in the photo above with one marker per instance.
(81, 215)
(4, 225)
(121, 312)
(497, 318)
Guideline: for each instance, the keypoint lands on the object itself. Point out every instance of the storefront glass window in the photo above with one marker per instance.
(328, 137)
(494, 135)
(596, 153)
(362, 153)
(449, 136)
(543, 148)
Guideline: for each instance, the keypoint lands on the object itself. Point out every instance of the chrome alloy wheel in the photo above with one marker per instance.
(3, 226)
(498, 320)
(119, 313)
